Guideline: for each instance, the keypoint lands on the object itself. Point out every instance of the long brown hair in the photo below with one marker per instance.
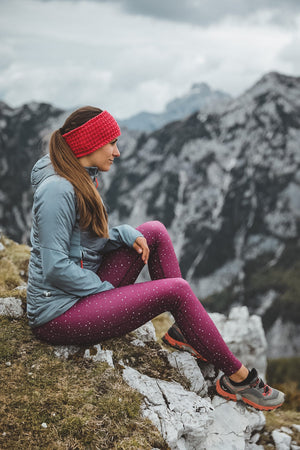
(92, 213)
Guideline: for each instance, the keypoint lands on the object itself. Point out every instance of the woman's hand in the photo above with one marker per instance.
(141, 246)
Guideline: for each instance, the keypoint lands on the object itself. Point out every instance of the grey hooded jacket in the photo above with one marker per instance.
(56, 279)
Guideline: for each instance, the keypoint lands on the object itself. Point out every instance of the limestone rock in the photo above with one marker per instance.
(65, 351)
(189, 422)
(245, 337)
(146, 332)
(182, 417)
(282, 440)
(97, 354)
(138, 343)
(233, 425)
(11, 306)
(210, 373)
(186, 365)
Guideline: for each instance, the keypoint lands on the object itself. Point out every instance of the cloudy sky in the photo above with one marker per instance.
(132, 55)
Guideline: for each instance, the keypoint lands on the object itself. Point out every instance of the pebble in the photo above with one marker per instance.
(282, 440)
(44, 425)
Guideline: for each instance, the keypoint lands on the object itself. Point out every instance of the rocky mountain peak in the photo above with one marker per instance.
(224, 181)
(273, 87)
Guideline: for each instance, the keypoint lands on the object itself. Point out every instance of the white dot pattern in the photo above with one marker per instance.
(118, 311)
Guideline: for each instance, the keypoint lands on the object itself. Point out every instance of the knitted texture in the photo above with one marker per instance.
(96, 132)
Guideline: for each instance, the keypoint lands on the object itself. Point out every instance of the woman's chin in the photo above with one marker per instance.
(104, 168)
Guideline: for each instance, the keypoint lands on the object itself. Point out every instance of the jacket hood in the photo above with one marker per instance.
(41, 170)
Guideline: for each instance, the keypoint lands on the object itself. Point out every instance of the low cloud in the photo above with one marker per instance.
(71, 53)
(207, 12)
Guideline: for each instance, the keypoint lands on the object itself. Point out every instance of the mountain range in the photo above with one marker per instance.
(224, 180)
(199, 97)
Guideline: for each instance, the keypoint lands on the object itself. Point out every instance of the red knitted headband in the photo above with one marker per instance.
(93, 134)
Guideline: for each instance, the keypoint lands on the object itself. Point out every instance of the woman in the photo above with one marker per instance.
(81, 274)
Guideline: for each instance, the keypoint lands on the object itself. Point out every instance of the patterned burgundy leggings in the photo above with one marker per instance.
(118, 311)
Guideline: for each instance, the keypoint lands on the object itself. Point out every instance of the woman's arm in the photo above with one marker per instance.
(123, 234)
(55, 209)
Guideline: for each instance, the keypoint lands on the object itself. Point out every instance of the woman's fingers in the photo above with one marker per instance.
(141, 247)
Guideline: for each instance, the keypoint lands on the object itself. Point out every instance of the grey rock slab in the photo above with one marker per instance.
(11, 307)
(146, 333)
(181, 416)
(187, 366)
(233, 425)
(282, 440)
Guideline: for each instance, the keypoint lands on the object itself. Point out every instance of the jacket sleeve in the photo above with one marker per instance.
(120, 235)
(56, 217)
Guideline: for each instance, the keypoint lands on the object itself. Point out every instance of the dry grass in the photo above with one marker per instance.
(84, 404)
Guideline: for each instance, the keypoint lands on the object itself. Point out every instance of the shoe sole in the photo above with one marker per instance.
(233, 397)
(167, 339)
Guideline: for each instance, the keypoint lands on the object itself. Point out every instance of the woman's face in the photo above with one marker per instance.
(102, 158)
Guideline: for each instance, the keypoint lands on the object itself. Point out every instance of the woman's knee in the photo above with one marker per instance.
(153, 228)
(180, 284)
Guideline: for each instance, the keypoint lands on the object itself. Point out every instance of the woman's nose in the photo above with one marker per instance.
(116, 152)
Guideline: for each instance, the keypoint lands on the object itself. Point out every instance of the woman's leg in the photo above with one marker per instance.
(118, 311)
(122, 267)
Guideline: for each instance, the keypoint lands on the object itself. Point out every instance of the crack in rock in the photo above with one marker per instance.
(181, 416)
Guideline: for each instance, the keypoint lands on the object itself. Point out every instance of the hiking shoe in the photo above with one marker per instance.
(174, 338)
(255, 393)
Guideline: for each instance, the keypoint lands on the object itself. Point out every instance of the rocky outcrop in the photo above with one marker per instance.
(181, 416)
(190, 422)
